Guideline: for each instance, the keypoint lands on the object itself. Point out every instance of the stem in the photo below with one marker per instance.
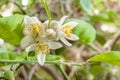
(47, 10)
(62, 7)
(50, 62)
(20, 8)
(63, 71)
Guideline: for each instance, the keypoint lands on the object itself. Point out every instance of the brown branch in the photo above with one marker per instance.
(24, 72)
(32, 72)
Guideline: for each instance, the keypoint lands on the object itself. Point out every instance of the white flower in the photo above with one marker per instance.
(51, 30)
(33, 29)
(65, 31)
(32, 26)
(43, 49)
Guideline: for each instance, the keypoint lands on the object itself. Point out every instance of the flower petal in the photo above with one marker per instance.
(61, 21)
(35, 20)
(26, 41)
(54, 24)
(54, 45)
(73, 37)
(27, 23)
(31, 47)
(31, 20)
(27, 20)
(71, 23)
(41, 58)
(65, 42)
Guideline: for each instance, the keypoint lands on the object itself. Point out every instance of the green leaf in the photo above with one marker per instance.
(2, 2)
(21, 56)
(86, 6)
(9, 75)
(112, 14)
(84, 31)
(11, 56)
(52, 58)
(112, 57)
(101, 18)
(100, 38)
(11, 28)
(98, 69)
(4, 56)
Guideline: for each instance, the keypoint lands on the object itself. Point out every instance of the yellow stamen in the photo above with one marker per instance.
(43, 48)
(67, 30)
(36, 27)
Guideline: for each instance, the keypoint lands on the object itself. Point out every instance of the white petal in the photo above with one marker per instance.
(61, 21)
(54, 24)
(73, 37)
(31, 47)
(31, 20)
(27, 20)
(41, 58)
(54, 45)
(46, 22)
(26, 41)
(72, 24)
(65, 42)
(35, 20)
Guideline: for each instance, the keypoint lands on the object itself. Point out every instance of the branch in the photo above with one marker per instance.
(61, 68)
(70, 63)
(49, 69)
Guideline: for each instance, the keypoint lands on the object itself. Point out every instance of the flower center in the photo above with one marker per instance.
(43, 48)
(67, 30)
(36, 27)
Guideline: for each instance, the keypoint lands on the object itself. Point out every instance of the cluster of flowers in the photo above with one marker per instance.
(44, 36)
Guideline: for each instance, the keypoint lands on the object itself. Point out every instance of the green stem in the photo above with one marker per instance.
(50, 62)
(20, 8)
(63, 71)
(47, 10)
(62, 7)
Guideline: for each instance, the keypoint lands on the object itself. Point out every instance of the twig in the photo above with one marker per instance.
(20, 8)
(32, 72)
(78, 56)
(68, 8)
(52, 72)
(62, 7)
(24, 73)
(35, 73)
(95, 47)
(70, 63)
(111, 42)
(115, 41)
(60, 67)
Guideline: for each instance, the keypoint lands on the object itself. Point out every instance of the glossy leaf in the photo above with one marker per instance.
(112, 57)
(11, 28)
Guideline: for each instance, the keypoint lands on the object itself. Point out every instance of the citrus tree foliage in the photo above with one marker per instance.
(76, 38)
